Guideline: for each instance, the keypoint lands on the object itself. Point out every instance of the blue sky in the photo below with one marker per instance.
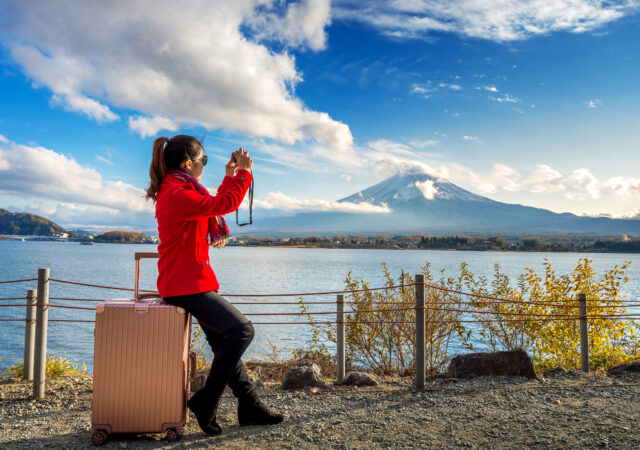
(524, 102)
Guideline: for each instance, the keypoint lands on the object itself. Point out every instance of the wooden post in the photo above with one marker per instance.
(29, 331)
(420, 341)
(584, 332)
(42, 318)
(340, 337)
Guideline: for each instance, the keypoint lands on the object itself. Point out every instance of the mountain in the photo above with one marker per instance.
(27, 224)
(423, 204)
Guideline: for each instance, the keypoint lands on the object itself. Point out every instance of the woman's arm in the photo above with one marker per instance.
(189, 204)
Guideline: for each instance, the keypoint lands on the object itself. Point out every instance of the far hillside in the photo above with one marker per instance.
(26, 224)
(123, 237)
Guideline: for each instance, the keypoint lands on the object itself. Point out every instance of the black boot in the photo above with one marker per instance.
(200, 404)
(256, 413)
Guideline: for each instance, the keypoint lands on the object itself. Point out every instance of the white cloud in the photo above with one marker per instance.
(3, 139)
(391, 147)
(149, 126)
(424, 143)
(344, 176)
(303, 24)
(505, 98)
(505, 20)
(623, 186)
(187, 62)
(43, 173)
(453, 87)
(579, 185)
(427, 188)
(469, 138)
(63, 75)
(490, 88)
(429, 88)
(583, 180)
(104, 160)
(386, 165)
(593, 104)
(634, 214)
(421, 89)
(283, 202)
(92, 108)
(88, 216)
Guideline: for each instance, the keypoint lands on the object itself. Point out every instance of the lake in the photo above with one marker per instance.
(240, 270)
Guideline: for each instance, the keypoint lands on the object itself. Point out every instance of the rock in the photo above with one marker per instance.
(556, 371)
(510, 363)
(301, 376)
(624, 368)
(199, 381)
(358, 379)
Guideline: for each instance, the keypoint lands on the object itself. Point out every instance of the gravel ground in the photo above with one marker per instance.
(568, 410)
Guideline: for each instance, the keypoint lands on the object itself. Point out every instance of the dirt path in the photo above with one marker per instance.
(571, 410)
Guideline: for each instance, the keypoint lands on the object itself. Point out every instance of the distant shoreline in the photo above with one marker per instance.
(634, 248)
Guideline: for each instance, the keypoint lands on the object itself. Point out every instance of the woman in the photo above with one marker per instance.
(189, 221)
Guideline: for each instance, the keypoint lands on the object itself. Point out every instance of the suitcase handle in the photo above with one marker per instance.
(192, 366)
(138, 256)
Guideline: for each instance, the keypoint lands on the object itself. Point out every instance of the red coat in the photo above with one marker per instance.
(183, 216)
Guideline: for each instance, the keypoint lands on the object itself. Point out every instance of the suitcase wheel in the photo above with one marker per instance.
(173, 435)
(99, 438)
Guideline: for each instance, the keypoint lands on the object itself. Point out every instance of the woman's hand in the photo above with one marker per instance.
(231, 168)
(243, 160)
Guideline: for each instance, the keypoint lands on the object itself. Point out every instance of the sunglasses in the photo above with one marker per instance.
(204, 159)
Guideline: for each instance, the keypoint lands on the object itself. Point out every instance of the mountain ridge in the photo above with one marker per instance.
(421, 203)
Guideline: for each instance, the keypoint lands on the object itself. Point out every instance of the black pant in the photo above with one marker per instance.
(229, 333)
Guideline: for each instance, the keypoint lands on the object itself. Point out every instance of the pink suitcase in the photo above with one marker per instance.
(142, 367)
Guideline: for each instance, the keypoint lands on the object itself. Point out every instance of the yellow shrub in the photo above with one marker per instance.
(55, 368)
(384, 341)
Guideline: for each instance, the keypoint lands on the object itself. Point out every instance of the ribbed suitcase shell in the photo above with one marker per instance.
(140, 375)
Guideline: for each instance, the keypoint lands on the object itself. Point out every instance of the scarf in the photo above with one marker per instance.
(218, 234)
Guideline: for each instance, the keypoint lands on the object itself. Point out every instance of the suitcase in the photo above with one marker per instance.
(142, 366)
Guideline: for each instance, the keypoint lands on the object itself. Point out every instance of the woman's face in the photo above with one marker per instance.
(194, 167)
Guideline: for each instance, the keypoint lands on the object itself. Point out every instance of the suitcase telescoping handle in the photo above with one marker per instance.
(138, 256)
(193, 366)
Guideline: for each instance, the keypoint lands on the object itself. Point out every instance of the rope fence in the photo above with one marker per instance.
(364, 311)
(417, 313)
(497, 300)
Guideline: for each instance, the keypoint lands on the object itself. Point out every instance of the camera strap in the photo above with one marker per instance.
(250, 206)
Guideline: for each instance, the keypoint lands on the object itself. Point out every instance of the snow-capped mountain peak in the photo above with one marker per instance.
(410, 186)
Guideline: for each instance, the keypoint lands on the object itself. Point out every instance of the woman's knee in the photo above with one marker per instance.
(243, 333)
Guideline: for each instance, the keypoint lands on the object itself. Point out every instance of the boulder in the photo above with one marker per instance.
(301, 376)
(509, 363)
(555, 372)
(358, 379)
(199, 380)
(624, 368)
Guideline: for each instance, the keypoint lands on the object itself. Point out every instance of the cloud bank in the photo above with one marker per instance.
(283, 202)
(198, 63)
(45, 174)
(500, 20)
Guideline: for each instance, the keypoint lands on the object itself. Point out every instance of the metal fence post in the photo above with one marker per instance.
(29, 331)
(42, 317)
(340, 337)
(420, 341)
(584, 332)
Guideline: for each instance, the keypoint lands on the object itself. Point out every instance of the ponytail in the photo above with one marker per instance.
(157, 168)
